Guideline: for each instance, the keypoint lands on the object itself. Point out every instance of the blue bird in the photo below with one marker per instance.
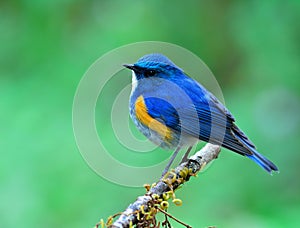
(174, 111)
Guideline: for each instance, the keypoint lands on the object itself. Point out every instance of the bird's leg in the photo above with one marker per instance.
(170, 161)
(185, 156)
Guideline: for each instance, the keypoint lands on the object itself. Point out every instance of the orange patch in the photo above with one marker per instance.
(143, 116)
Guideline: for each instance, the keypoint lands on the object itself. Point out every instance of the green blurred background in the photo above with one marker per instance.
(253, 48)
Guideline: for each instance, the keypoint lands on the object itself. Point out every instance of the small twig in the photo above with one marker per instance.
(166, 223)
(172, 217)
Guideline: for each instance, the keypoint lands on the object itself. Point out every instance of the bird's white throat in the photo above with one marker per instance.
(134, 82)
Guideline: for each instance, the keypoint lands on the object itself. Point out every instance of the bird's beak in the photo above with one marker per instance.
(130, 66)
(134, 68)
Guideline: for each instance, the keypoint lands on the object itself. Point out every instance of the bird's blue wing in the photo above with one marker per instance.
(201, 115)
(215, 120)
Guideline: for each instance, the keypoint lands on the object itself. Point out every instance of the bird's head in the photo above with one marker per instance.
(153, 65)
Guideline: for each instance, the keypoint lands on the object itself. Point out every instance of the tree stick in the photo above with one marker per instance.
(172, 180)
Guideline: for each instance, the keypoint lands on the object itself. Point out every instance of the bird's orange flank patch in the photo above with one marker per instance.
(143, 116)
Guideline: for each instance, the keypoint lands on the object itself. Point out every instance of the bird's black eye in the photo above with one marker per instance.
(150, 73)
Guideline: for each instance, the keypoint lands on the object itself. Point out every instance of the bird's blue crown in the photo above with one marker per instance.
(155, 60)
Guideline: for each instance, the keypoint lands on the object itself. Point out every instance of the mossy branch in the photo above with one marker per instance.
(144, 209)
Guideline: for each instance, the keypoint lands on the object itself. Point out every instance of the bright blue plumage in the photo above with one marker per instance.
(186, 108)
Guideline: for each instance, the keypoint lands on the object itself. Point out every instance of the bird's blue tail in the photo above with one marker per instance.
(262, 161)
(255, 156)
(244, 146)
